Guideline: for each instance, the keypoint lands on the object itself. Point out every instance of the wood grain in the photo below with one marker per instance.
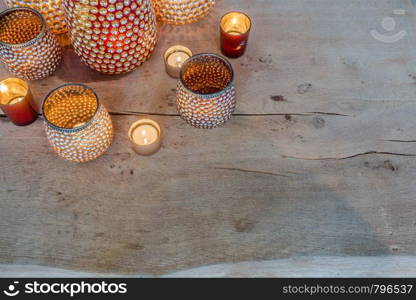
(318, 160)
(369, 266)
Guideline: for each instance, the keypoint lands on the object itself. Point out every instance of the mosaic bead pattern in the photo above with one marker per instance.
(112, 36)
(27, 47)
(51, 10)
(206, 94)
(179, 12)
(78, 127)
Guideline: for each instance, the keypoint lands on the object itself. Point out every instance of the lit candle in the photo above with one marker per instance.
(16, 101)
(175, 56)
(234, 29)
(146, 136)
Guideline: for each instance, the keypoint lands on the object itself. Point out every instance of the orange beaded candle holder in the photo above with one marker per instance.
(51, 10)
(112, 36)
(27, 47)
(179, 12)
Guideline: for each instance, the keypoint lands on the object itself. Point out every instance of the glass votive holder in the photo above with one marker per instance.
(78, 126)
(145, 136)
(51, 10)
(16, 101)
(27, 47)
(179, 12)
(234, 32)
(206, 95)
(175, 57)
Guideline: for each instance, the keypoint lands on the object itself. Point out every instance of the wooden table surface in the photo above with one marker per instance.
(318, 160)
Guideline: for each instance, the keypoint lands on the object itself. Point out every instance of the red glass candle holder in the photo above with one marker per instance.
(235, 29)
(16, 101)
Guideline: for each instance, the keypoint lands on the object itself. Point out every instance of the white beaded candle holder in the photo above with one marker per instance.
(78, 127)
(206, 94)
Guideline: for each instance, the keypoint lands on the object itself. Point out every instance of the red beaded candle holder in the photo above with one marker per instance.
(112, 36)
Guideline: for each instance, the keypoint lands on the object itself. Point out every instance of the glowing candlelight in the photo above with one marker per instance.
(145, 136)
(175, 57)
(16, 101)
(235, 29)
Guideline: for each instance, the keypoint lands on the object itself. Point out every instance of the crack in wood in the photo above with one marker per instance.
(256, 171)
(328, 113)
(351, 156)
(400, 141)
(138, 113)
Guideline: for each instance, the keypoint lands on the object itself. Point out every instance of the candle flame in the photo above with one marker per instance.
(3, 88)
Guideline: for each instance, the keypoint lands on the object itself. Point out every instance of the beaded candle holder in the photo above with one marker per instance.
(206, 94)
(112, 36)
(27, 47)
(51, 10)
(179, 12)
(78, 127)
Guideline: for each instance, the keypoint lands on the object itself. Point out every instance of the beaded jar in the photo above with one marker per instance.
(78, 127)
(51, 10)
(112, 36)
(27, 47)
(179, 12)
(206, 94)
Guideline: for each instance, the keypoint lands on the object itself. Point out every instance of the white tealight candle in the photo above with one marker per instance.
(175, 56)
(145, 136)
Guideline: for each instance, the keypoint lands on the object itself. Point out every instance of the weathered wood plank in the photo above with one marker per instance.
(384, 266)
(209, 196)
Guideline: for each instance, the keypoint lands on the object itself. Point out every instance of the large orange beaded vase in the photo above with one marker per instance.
(112, 36)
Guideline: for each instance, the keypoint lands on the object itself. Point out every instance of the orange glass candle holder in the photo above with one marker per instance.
(112, 36)
(234, 31)
(51, 10)
(180, 12)
(27, 47)
(16, 101)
